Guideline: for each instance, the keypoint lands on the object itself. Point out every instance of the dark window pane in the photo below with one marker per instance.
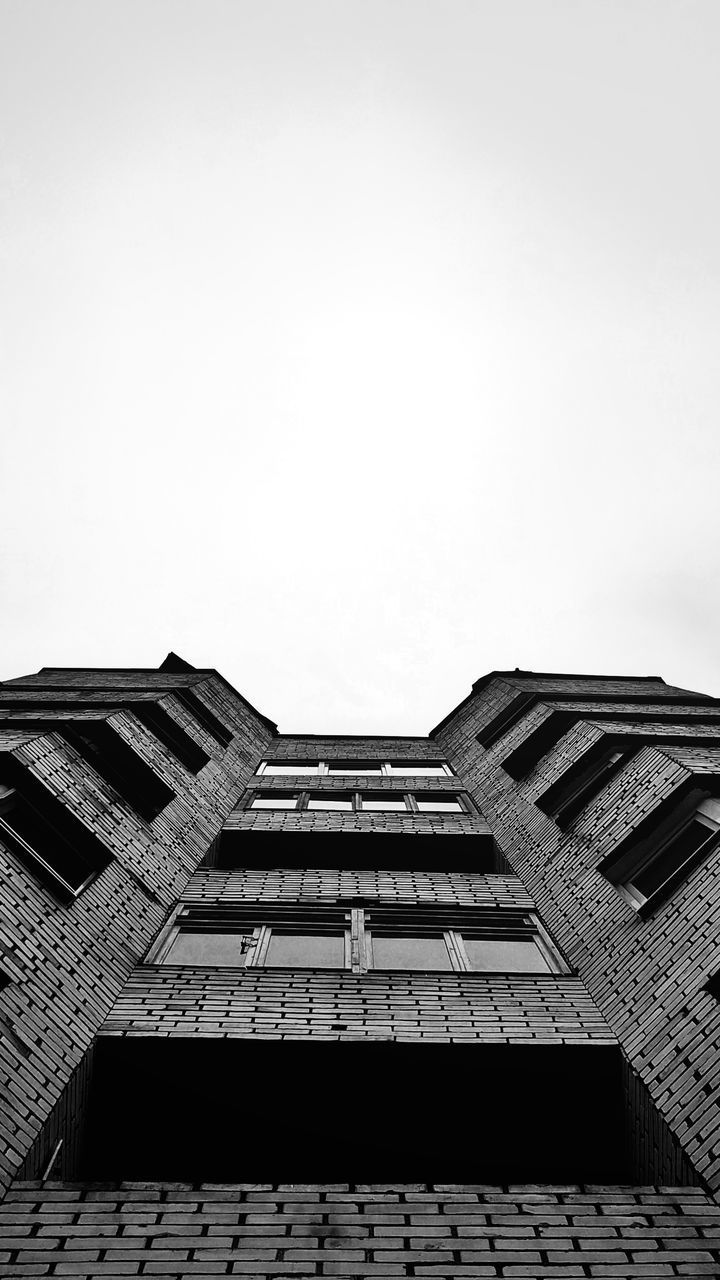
(670, 858)
(307, 951)
(280, 767)
(354, 766)
(417, 769)
(397, 951)
(500, 956)
(207, 948)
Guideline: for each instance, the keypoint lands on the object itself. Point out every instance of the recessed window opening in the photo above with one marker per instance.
(423, 939)
(47, 838)
(648, 871)
(506, 719)
(115, 761)
(567, 798)
(204, 716)
(171, 735)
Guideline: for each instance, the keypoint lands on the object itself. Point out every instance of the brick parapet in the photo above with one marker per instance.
(180, 1230)
(296, 747)
(330, 820)
(508, 1008)
(274, 885)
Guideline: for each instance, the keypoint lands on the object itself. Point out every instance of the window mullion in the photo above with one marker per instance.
(258, 955)
(410, 802)
(358, 955)
(458, 954)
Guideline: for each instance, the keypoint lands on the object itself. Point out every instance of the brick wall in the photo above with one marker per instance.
(68, 962)
(178, 1000)
(647, 976)
(439, 1231)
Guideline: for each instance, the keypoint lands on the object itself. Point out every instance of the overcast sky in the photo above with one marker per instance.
(358, 347)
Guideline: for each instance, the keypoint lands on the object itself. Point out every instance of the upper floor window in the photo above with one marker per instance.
(114, 759)
(423, 939)
(356, 768)
(572, 793)
(646, 870)
(47, 838)
(363, 801)
(169, 732)
(202, 713)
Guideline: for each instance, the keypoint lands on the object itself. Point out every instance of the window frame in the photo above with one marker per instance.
(326, 768)
(360, 930)
(305, 796)
(64, 830)
(622, 869)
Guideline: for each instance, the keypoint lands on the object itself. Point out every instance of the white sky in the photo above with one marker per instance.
(358, 347)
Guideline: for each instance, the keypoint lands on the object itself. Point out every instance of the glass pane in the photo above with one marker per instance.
(307, 950)
(670, 858)
(270, 801)
(276, 768)
(354, 766)
(395, 803)
(207, 948)
(417, 769)
(330, 801)
(398, 951)
(499, 956)
(439, 804)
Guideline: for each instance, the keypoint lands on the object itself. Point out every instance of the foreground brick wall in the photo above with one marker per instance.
(66, 963)
(647, 976)
(178, 1231)
(520, 1008)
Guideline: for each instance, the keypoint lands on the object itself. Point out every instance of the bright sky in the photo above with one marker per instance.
(358, 347)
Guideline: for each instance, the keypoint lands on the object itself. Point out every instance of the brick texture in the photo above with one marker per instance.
(258, 1230)
(67, 962)
(647, 975)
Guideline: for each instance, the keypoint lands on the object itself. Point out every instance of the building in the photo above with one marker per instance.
(335, 1006)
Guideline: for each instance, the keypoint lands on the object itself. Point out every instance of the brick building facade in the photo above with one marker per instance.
(275, 1005)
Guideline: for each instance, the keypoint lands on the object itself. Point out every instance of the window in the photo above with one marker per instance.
(362, 767)
(274, 800)
(565, 799)
(442, 803)
(359, 938)
(114, 759)
(383, 802)
(506, 719)
(173, 737)
(330, 800)
(204, 716)
(46, 837)
(419, 769)
(646, 870)
(281, 768)
(356, 768)
(362, 802)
